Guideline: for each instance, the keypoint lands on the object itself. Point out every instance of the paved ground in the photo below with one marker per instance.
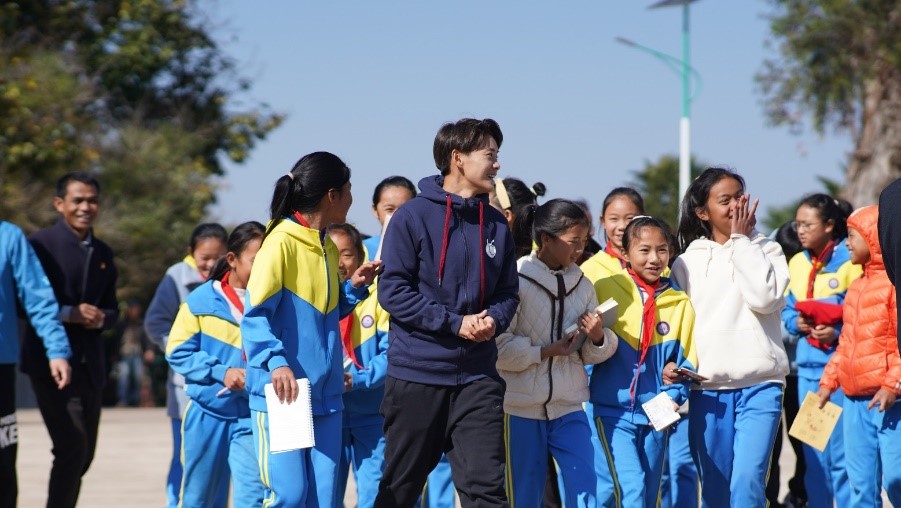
(131, 463)
(129, 469)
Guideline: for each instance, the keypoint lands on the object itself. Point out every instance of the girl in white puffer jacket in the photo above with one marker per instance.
(543, 364)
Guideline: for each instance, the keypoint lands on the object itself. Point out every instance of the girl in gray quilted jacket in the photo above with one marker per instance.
(542, 355)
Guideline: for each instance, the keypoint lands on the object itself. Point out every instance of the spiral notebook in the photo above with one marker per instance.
(290, 425)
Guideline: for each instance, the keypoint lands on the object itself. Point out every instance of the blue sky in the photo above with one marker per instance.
(372, 81)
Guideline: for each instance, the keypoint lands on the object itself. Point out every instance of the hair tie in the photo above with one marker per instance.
(290, 175)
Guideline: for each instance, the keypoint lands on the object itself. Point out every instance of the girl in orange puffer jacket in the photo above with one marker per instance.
(867, 367)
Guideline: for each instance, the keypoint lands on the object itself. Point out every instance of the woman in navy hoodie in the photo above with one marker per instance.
(450, 286)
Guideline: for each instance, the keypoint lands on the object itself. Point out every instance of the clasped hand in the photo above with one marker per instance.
(477, 327)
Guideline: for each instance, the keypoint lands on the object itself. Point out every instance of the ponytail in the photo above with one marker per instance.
(302, 189)
(237, 242)
(552, 218)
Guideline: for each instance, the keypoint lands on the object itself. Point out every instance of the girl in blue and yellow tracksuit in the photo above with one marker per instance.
(680, 478)
(822, 271)
(655, 330)
(364, 337)
(205, 347)
(294, 301)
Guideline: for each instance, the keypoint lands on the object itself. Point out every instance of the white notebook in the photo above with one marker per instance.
(290, 425)
(609, 312)
(661, 411)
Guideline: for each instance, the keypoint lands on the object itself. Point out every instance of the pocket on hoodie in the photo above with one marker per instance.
(726, 355)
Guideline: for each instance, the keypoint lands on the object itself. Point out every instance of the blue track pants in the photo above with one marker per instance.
(568, 439)
(213, 449)
(300, 478)
(732, 434)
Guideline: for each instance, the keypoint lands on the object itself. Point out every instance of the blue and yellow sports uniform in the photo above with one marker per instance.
(826, 477)
(634, 451)
(294, 301)
(363, 442)
(205, 341)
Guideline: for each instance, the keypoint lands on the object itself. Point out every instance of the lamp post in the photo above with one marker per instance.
(684, 68)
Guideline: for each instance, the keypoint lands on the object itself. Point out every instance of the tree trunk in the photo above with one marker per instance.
(876, 160)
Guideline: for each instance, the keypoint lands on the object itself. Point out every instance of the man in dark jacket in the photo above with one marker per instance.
(81, 271)
(451, 287)
(890, 235)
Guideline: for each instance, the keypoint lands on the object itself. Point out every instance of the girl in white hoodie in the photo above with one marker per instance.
(736, 279)
(542, 360)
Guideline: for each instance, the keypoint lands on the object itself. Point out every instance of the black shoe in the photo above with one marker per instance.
(794, 501)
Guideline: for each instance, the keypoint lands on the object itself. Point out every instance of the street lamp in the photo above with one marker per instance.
(684, 68)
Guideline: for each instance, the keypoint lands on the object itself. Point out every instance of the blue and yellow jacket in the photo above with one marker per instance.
(293, 304)
(830, 285)
(369, 335)
(611, 381)
(205, 341)
(602, 265)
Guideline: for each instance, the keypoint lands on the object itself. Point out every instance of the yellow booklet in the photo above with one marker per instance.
(814, 425)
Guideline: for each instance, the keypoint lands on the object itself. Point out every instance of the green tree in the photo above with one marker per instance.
(658, 183)
(136, 91)
(838, 65)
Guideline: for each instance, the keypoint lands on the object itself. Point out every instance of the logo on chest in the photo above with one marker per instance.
(833, 283)
(490, 249)
(367, 321)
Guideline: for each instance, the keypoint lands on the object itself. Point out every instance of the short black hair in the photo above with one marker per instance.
(466, 135)
(62, 185)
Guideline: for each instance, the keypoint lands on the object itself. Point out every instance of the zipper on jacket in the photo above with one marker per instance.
(556, 322)
(465, 264)
(467, 309)
(852, 378)
(328, 294)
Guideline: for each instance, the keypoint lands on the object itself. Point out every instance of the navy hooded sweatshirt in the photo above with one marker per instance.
(445, 257)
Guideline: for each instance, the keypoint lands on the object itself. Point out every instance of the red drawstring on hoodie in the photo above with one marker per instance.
(648, 324)
(818, 263)
(443, 258)
(447, 216)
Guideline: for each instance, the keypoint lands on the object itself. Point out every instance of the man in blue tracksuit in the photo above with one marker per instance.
(450, 286)
(22, 279)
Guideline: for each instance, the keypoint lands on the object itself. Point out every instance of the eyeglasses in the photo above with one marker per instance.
(804, 226)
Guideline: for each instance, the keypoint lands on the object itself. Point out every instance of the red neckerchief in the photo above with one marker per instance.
(235, 300)
(230, 293)
(648, 323)
(609, 250)
(817, 263)
(347, 324)
(303, 222)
